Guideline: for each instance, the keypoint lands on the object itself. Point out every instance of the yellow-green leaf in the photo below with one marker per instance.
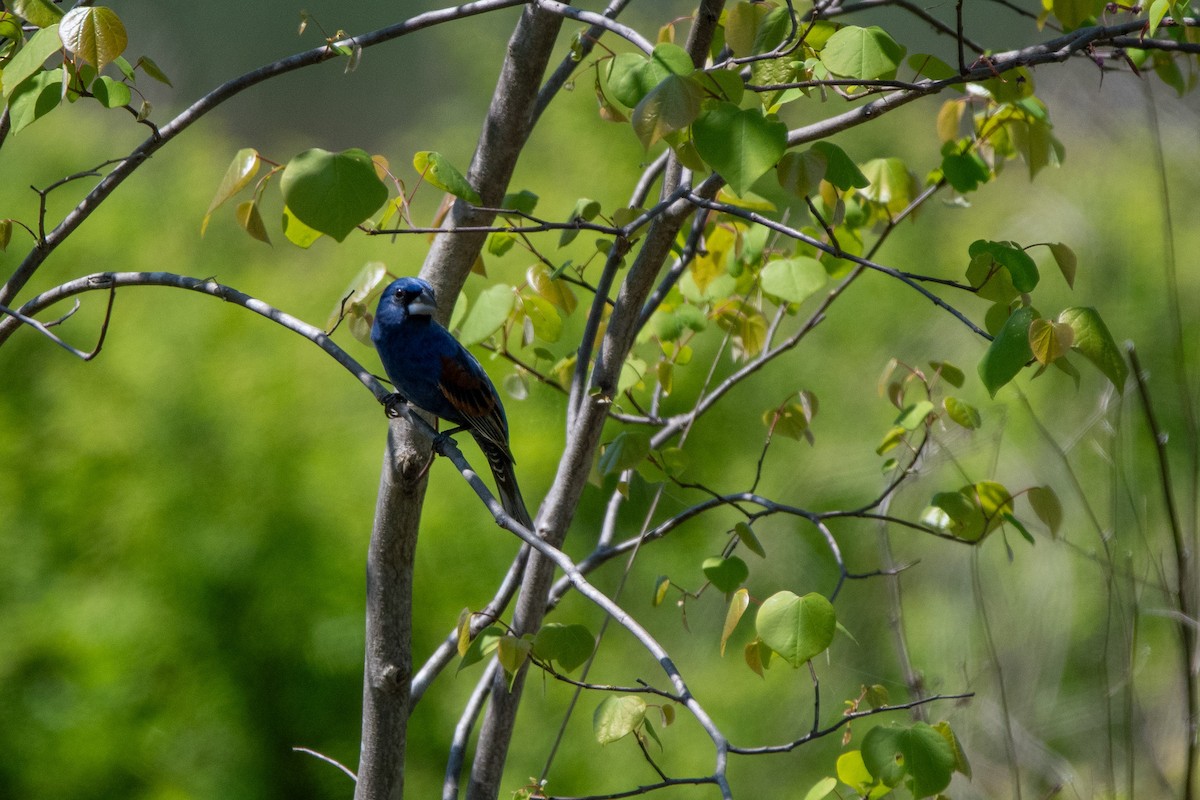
(437, 170)
(251, 221)
(1046, 505)
(237, 176)
(297, 232)
(617, 717)
(661, 584)
(962, 412)
(94, 34)
(489, 312)
(41, 13)
(1096, 343)
(30, 58)
(1050, 341)
(1065, 258)
(738, 604)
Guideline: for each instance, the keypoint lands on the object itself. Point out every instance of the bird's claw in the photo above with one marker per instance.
(442, 438)
(392, 403)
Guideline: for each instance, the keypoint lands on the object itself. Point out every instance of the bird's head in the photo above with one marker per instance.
(407, 297)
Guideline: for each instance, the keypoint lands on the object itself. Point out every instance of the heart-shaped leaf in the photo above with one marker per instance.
(332, 192)
(94, 34)
(1096, 343)
(797, 628)
(740, 144)
(726, 574)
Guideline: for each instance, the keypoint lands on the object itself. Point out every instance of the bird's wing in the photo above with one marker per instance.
(472, 395)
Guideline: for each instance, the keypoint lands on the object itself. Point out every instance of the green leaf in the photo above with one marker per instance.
(793, 280)
(738, 604)
(523, 201)
(757, 656)
(237, 176)
(30, 58)
(746, 534)
(821, 789)
(438, 171)
(913, 416)
(742, 22)
(556, 291)
(866, 53)
(631, 76)
(332, 192)
(511, 652)
(1046, 505)
(1050, 341)
(568, 645)
(962, 413)
(547, 324)
(153, 70)
(1096, 343)
(352, 302)
(6, 226)
(10, 27)
(483, 645)
(740, 144)
(1073, 13)
(661, 585)
(1020, 266)
(1009, 351)
(617, 717)
(94, 34)
(964, 171)
(840, 170)
(110, 93)
(854, 773)
(251, 221)
(624, 452)
(1158, 10)
(671, 106)
(960, 758)
(950, 373)
(586, 209)
(890, 183)
(801, 173)
(723, 84)
(918, 755)
(633, 373)
(929, 66)
(41, 13)
(891, 439)
(971, 513)
(297, 232)
(793, 418)
(1065, 258)
(500, 242)
(35, 98)
(726, 574)
(797, 628)
(490, 311)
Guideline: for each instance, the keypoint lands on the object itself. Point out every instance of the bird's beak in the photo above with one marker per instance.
(425, 304)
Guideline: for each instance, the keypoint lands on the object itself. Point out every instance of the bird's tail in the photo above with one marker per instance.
(507, 490)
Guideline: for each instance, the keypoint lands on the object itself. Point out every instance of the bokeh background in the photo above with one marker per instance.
(184, 520)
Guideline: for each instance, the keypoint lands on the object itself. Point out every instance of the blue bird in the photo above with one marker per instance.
(435, 373)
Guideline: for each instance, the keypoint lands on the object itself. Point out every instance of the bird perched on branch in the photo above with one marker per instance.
(435, 373)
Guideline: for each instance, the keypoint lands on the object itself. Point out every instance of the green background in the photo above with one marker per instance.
(184, 520)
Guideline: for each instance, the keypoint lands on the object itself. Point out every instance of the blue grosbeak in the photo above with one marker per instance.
(435, 373)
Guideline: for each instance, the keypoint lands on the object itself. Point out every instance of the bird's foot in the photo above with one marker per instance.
(392, 403)
(443, 438)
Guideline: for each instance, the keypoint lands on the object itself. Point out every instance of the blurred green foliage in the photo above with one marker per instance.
(183, 521)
